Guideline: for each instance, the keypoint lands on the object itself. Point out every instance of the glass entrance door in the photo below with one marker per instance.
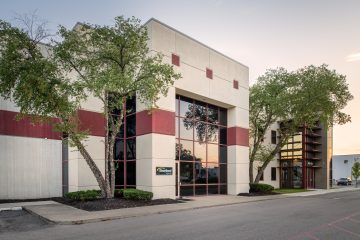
(310, 178)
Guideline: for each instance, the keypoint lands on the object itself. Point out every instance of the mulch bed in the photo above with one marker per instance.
(255, 194)
(115, 203)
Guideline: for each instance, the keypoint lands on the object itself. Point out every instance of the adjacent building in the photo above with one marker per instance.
(195, 143)
(342, 165)
(303, 162)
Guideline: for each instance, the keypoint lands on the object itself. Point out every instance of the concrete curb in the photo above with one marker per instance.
(91, 218)
(102, 219)
(11, 209)
(38, 215)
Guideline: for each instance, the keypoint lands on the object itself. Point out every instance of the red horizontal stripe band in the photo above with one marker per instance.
(238, 136)
(155, 121)
(25, 128)
(93, 122)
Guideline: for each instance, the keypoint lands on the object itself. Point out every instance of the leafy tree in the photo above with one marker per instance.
(295, 99)
(355, 170)
(111, 63)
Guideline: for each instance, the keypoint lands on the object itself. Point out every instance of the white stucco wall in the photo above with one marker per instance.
(274, 163)
(80, 175)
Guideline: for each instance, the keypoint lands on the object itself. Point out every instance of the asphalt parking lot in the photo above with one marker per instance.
(20, 221)
(331, 216)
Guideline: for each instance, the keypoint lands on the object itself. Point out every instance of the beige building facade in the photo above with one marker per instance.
(195, 143)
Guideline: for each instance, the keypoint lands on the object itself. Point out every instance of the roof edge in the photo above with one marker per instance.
(164, 24)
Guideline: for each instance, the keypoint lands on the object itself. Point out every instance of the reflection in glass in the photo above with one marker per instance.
(200, 111)
(200, 151)
(200, 172)
(212, 133)
(186, 107)
(186, 150)
(213, 115)
(212, 153)
(186, 128)
(213, 172)
(200, 146)
(119, 149)
(200, 132)
(186, 172)
(131, 149)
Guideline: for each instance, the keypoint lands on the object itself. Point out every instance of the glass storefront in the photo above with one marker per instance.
(291, 156)
(201, 147)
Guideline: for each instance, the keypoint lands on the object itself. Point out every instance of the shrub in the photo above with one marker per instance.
(260, 188)
(83, 195)
(136, 194)
(119, 193)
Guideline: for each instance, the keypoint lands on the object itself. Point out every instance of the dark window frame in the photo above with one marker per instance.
(196, 187)
(128, 114)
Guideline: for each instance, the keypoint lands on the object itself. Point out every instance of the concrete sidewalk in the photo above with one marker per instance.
(322, 191)
(19, 205)
(63, 214)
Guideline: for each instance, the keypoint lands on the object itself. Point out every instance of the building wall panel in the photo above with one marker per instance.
(30, 168)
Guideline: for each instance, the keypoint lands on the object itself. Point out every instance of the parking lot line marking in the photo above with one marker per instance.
(345, 230)
(354, 220)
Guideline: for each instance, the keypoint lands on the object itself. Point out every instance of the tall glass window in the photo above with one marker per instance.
(291, 156)
(125, 146)
(201, 147)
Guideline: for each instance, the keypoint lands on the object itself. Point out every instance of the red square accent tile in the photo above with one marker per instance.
(175, 59)
(236, 84)
(209, 73)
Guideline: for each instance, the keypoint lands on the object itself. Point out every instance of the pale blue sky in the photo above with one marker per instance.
(260, 34)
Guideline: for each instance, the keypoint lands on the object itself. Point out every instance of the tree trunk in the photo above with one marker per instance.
(258, 175)
(92, 165)
(251, 171)
(112, 170)
(107, 158)
(269, 159)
